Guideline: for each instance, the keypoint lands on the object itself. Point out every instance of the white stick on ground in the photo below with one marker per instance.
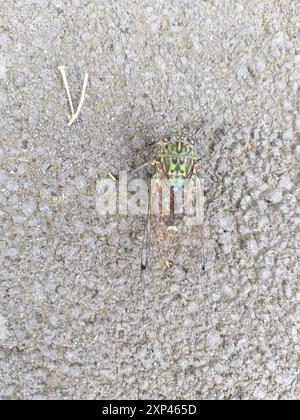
(62, 69)
(82, 99)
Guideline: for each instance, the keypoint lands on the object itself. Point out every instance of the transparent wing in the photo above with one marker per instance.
(200, 220)
(154, 208)
(194, 210)
(145, 254)
(202, 257)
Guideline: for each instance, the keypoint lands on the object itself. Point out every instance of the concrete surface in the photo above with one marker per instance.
(75, 322)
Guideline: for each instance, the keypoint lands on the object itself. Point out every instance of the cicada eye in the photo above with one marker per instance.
(162, 145)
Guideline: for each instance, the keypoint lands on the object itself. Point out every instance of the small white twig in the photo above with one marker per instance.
(112, 176)
(62, 69)
(82, 99)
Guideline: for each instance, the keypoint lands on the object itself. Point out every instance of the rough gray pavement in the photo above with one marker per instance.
(75, 320)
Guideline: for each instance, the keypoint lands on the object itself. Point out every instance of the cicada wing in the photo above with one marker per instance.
(202, 257)
(154, 208)
(194, 211)
(199, 184)
(145, 254)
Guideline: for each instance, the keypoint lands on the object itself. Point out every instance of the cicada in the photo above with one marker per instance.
(175, 172)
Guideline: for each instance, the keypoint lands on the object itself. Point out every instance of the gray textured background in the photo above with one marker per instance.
(74, 320)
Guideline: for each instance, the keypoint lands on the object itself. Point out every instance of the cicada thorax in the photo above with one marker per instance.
(177, 160)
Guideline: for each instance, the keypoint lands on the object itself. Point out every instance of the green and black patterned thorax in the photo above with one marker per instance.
(177, 159)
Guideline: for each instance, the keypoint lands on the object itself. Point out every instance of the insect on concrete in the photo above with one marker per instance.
(175, 171)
